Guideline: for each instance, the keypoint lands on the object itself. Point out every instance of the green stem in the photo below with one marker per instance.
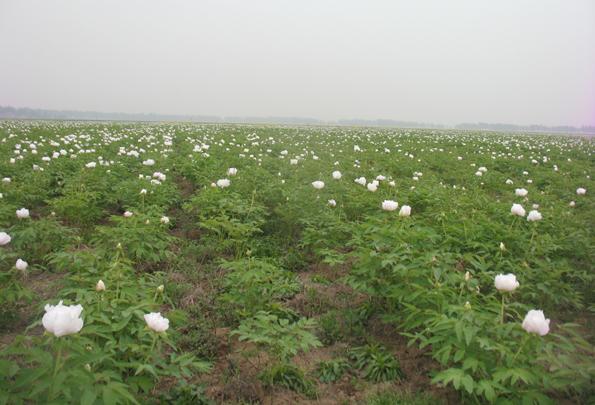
(530, 242)
(251, 205)
(523, 341)
(154, 341)
(513, 219)
(503, 302)
(56, 369)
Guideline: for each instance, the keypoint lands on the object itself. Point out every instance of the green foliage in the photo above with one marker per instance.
(383, 367)
(331, 370)
(253, 284)
(291, 377)
(388, 397)
(35, 240)
(185, 393)
(363, 354)
(232, 221)
(270, 219)
(13, 293)
(66, 378)
(329, 330)
(280, 338)
(347, 325)
(141, 237)
(115, 342)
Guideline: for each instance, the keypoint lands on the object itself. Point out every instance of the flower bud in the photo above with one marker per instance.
(100, 286)
(21, 265)
(467, 276)
(88, 367)
(467, 305)
(161, 288)
(502, 247)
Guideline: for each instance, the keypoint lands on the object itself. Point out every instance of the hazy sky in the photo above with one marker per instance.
(509, 61)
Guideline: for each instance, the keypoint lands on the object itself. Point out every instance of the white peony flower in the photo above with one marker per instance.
(506, 282)
(156, 322)
(405, 211)
(389, 205)
(533, 216)
(62, 320)
(517, 209)
(318, 185)
(535, 322)
(22, 213)
(223, 183)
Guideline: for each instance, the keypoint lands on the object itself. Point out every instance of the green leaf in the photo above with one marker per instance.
(459, 330)
(88, 397)
(8, 369)
(468, 383)
(120, 325)
(484, 387)
(41, 386)
(28, 376)
(470, 362)
(458, 356)
(446, 355)
(108, 396)
(469, 333)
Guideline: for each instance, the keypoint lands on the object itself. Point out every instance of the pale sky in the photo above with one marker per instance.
(444, 62)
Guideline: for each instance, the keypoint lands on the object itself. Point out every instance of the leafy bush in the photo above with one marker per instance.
(253, 284)
(281, 339)
(291, 377)
(331, 370)
(13, 294)
(185, 393)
